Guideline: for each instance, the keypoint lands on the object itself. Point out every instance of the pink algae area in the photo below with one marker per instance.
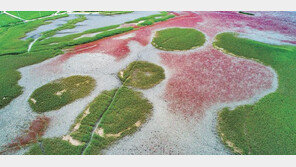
(205, 78)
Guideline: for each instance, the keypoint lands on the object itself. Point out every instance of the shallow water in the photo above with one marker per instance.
(54, 24)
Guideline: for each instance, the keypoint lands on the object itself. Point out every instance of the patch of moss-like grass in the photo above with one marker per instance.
(142, 74)
(126, 113)
(54, 146)
(95, 109)
(58, 93)
(28, 15)
(268, 126)
(173, 39)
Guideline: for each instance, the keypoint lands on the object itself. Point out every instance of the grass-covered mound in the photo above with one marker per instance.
(92, 113)
(269, 126)
(172, 39)
(142, 74)
(58, 93)
(126, 112)
(54, 146)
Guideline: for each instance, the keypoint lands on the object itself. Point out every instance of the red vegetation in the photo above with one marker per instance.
(36, 130)
(207, 77)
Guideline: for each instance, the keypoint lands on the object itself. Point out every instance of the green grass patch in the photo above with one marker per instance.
(127, 111)
(141, 74)
(246, 13)
(54, 146)
(268, 126)
(96, 109)
(61, 92)
(7, 20)
(172, 39)
(29, 15)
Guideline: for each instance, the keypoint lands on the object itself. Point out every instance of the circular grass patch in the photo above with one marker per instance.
(142, 74)
(173, 39)
(58, 93)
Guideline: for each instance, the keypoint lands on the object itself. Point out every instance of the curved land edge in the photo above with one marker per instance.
(269, 125)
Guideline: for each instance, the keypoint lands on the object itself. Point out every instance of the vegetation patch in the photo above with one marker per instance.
(29, 15)
(58, 93)
(85, 122)
(267, 127)
(54, 146)
(246, 13)
(7, 20)
(173, 39)
(127, 111)
(142, 74)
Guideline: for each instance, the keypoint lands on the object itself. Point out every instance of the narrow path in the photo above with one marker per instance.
(99, 121)
(32, 43)
(14, 16)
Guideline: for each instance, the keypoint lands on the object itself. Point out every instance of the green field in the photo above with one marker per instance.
(29, 15)
(61, 92)
(54, 146)
(269, 126)
(172, 39)
(142, 74)
(7, 20)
